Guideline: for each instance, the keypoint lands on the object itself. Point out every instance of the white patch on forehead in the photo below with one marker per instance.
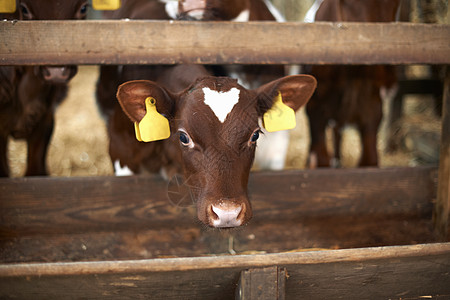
(221, 103)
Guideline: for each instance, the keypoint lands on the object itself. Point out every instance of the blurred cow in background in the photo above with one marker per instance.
(349, 94)
(29, 95)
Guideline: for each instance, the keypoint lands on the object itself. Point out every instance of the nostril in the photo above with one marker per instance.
(241, 215)
(212, 215)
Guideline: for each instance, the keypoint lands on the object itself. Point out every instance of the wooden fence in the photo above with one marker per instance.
(167, 42)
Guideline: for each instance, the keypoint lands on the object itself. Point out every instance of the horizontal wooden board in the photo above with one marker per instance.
(170, 42)
(382, 273)
(72, 205)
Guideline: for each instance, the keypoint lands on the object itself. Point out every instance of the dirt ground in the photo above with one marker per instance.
(79, 146)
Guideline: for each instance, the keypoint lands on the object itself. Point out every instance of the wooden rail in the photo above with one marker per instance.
(170, 42)
(74, 205)
(411, 272)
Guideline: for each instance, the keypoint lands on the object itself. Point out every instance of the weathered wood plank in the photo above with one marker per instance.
(382, 272)
(71, 205)
(442, 207)
(332, 232)
(262, 284)
(169, 42)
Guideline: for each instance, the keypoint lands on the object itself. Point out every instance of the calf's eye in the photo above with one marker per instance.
(255, 136)
(26, 14)
(82, 11)
(185, 140)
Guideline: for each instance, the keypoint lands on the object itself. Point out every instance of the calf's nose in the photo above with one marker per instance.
(226, 215)
(56, 74)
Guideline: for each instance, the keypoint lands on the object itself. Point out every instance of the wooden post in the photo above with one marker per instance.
(442, 207)
(262, 284)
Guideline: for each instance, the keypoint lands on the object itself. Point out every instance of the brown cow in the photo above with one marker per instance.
(29, 94)
(214, 128)
(349, 94)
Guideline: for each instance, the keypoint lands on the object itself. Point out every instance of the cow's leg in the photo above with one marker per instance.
(369, 156)
(38, 143)
(4, 169)
(369, 129)
(318, 153)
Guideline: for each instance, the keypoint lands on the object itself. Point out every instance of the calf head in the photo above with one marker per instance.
(214, 124)
(53, 10)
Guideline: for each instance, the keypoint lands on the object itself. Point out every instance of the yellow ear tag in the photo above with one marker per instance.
(106, 4)
(138, 133)
(7, 6)
(153, 126)
(279, 117)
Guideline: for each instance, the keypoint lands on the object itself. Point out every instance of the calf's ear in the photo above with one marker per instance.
(132, 95)
(149, 106)
(279, 99)
(295, 91)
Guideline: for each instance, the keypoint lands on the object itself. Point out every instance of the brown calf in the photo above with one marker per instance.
(272, 150)
(29, 94)
(349, 94)
(214, 128)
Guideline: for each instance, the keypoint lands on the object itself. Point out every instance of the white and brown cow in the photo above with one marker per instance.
(214, 127)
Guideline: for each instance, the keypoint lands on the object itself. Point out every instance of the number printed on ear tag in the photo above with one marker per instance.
(106, 4)
(7, 6)
(279, 117)
(153, 126)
